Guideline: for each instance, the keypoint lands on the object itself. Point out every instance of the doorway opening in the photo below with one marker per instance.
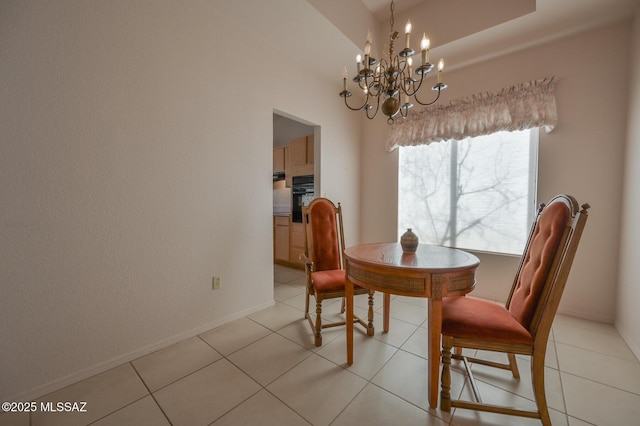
(296, 144)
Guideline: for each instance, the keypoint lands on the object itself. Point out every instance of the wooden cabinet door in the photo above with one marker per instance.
(297, 242)
(310, 150)
(298, 152)
(281, 238)
(301, 155)
(279, 159)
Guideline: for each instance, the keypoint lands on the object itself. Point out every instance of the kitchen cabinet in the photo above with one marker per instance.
(288, 241)
(281, 238)
(280, 160)
(301, 155)
(296, 248)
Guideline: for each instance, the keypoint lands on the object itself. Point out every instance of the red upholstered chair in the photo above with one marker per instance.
(522, 326)
(324, 266)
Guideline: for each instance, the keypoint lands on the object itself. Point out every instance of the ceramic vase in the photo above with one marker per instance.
(409, 241)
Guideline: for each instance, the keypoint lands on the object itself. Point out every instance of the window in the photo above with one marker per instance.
(477, 194)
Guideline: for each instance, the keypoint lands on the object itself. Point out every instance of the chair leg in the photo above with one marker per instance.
(537, 377)
(344, 304)
(445, 392)
(318, 336)
(370, 329)
(306, 303)
(514, 365)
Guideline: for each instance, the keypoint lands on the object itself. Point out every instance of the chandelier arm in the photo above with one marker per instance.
(358, 108)
(429, 103)
(376, 111)
(363, 83)
(375, 89)
(373, 86)
(417, 88)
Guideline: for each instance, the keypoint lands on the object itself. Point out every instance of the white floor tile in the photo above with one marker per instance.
(607, 343)
(408, 312)
(204, 396)
(494, 395)
(234, 335)
(283, 292)
(262, 409)
(14, 418)
(599, 404)
(170, 364)
(300, 333)
(104, 393)
(283, 274)
(376, 407)
(317, 389)
(417, 343)
(373, 354)
(399, 331)
(277, 356)
(277, 316)
(605, 369)
(503, 379)
(405, 375)
(144, 412)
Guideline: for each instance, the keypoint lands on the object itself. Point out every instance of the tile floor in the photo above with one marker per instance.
(264, 370)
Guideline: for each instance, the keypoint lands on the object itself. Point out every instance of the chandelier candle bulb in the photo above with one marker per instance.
(424, 45)
(407, 31)
(440, 69)
(358, 61)
(345, 74)
(367, 51)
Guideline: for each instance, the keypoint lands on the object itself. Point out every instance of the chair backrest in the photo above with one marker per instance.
(324, 235)
(545, 265)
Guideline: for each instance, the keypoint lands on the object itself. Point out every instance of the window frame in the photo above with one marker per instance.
(532, 186)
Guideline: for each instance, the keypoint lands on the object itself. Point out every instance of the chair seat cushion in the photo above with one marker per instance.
(327, 281)
(330, 281)
(479, 319)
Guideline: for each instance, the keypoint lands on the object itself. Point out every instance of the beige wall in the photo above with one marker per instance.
(136, 164)
(136, 160)
(627, 313)
(583, 157)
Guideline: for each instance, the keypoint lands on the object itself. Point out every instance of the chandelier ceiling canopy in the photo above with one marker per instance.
(395, 79)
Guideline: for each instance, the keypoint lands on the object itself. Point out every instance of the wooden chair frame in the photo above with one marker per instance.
(309, 262)
(539, 328)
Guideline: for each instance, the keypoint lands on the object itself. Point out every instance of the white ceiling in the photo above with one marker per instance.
(381, 8)
(467, 31)
(326, 35)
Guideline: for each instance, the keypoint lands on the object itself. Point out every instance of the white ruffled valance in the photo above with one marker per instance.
(524, 106)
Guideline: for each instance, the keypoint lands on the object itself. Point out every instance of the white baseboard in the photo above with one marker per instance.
(101, 367)
(586, 316)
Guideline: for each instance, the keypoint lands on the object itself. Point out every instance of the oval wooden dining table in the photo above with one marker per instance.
(432, 271)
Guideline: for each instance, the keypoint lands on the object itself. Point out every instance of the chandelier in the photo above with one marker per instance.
(392, 78)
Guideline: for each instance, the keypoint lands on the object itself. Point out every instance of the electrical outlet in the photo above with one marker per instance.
(216, 283)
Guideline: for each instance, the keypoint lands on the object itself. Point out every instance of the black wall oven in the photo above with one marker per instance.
(302, 193)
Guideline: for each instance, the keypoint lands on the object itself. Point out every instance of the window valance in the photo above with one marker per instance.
(523, 106)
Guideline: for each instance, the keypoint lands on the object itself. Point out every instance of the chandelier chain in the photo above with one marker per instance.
(391, 20)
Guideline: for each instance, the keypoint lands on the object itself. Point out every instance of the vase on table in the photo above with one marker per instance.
(409, 241)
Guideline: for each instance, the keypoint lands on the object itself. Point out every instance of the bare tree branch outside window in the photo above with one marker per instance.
(475, 194)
